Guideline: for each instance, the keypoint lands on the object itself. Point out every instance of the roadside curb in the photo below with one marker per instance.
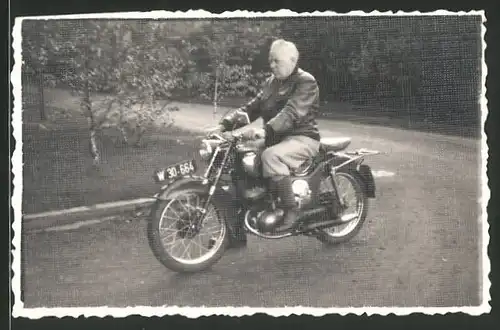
(44, 220)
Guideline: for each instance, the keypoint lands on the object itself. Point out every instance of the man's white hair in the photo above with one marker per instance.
(285, 47)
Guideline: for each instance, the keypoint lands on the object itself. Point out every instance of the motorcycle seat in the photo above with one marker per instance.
(335, 143)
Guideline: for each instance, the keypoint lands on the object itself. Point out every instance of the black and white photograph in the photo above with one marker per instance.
(281, 163)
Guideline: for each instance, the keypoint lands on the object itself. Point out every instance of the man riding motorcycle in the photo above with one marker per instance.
(287, 103)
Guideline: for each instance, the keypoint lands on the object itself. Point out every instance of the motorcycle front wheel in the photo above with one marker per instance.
(354, 206)
(177, 240)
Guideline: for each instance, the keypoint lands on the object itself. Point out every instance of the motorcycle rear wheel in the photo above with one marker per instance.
(159, 248)
(329, 236)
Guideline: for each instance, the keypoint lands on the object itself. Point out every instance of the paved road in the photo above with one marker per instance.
(419, 247)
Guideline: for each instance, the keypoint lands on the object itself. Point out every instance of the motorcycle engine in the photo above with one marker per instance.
(265, 220)
(302, 192)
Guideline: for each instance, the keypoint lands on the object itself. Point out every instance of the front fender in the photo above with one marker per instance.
(224, 200)
(182, 183)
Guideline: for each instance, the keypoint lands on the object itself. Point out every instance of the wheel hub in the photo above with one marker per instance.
(188, 226)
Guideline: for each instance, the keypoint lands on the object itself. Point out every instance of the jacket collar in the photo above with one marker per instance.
(291, 76)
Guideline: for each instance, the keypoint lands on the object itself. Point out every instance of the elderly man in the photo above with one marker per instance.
(287, 104)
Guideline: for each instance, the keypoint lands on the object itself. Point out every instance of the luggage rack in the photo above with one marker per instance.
(355, 155)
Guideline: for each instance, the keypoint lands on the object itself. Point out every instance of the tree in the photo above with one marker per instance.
(388, 66)
(35, 58)
(101, 56)
(360, 59)
(225, 51)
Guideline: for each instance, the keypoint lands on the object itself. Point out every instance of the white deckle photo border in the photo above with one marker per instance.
(193, 312)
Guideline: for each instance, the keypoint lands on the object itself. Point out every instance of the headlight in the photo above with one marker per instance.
(205, 150)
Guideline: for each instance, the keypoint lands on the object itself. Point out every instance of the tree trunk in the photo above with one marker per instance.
(141, 130)
(94, 151)
(41, 104)
(123, 131)
(216, 94)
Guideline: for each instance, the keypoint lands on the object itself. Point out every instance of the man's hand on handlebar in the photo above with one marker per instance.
(215, 130)
(245, 134)
(229, 135)
(220, 130)
(253, 134)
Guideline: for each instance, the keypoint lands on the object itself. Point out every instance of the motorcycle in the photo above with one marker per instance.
(233, 195)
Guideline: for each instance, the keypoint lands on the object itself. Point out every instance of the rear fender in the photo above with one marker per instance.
(223, 199)
(363, 171)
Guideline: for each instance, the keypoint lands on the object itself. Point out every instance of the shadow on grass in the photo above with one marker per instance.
(58, 171)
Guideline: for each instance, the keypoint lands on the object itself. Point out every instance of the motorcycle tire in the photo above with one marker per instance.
(359, 187)
(155, 241)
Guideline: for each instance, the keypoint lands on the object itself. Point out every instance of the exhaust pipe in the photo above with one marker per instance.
(320, 225)
(320, 218)
(308, 215)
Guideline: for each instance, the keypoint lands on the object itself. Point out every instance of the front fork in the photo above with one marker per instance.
(214, 183)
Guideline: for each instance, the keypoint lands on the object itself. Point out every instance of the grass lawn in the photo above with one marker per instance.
(58, 172)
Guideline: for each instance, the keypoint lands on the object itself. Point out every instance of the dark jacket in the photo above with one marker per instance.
(287, 107)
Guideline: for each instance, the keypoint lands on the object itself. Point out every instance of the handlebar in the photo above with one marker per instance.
(362, 152)
(236, 136)
(243, 120)
(216, 136)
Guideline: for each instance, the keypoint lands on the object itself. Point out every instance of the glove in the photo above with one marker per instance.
(219, 129)
(227, 135)
(253, 134)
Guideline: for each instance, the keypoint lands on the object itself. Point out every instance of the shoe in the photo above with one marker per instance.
(282, 187)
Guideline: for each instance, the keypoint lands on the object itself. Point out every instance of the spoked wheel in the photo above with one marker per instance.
(179, 240)
(353, 208)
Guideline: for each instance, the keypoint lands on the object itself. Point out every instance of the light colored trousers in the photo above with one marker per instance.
(288, 154)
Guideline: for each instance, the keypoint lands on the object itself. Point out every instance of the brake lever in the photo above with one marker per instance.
(216, 135)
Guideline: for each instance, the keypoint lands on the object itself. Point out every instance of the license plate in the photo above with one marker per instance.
(175, 171)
